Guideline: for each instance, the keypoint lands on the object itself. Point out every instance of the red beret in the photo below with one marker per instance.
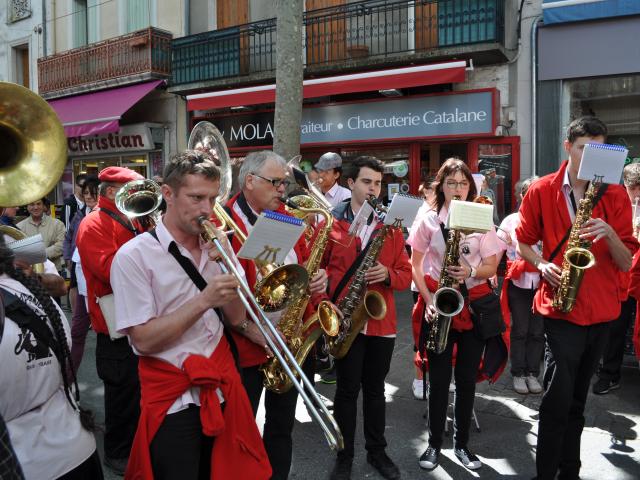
(118, 175)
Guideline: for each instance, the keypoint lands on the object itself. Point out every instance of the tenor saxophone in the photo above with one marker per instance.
(300, 337)
(577, 258)
(360, 304)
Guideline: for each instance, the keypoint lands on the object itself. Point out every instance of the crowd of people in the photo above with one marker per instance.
(183, 364)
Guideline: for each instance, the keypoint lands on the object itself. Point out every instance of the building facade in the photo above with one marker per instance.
(411, 82)
(105, 74)
(588, 64)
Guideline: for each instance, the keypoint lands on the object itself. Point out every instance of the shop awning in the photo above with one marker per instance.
(449, 72)
(100, 112)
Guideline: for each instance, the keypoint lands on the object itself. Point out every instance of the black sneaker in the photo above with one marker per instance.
(467, 458)
(342, 469)
(430, 458)
(603, 386)
(384, 465)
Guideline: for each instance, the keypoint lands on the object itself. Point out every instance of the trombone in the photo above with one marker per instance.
(316, 407)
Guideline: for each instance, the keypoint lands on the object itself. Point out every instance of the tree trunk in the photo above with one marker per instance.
(289, 68)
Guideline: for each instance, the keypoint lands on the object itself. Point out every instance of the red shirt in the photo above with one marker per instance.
(342, 250)
(544, 216)
(249, 353)
(238, 451)
(99, 238)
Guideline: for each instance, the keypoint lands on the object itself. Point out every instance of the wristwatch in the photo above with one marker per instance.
(243, 326)
(473, 272)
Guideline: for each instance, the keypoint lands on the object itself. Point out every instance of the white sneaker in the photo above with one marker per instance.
(520, 385)
(533, 384)
(417, 389)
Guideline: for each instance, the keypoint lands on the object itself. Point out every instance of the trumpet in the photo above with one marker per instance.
(316, 407)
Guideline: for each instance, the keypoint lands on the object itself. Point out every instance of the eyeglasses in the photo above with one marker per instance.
(276, 182)
(453, 184)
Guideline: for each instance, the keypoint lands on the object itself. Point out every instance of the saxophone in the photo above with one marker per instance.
(447, 300)
(577, 257)
(300, 337)
(360, 304)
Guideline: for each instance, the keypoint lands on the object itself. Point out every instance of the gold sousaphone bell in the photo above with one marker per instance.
(33, 146)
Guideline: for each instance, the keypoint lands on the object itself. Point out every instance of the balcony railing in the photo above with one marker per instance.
(367, 29)
(143, 52)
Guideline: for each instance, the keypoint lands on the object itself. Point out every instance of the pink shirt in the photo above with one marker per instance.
(509, 224)
(426, 237)
(148, 282)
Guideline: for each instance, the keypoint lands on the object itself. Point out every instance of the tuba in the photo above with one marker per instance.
(33, 146)
(577, 258)
(279, 285)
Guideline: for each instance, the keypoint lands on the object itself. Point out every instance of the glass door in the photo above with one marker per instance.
(499, 161)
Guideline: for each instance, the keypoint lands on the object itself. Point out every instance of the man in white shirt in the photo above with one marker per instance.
(185, 361)
(329, 168)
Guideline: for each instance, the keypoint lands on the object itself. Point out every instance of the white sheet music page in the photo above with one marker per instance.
(603, 161)
(360, 219)
(404, 208)
(29, 250)
(272, 238)
(473, 216)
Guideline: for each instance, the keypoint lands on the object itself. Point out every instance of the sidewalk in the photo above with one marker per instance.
(508, 421)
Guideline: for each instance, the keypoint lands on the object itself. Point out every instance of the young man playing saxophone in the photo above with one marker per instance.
(575, 340)
(368, 360)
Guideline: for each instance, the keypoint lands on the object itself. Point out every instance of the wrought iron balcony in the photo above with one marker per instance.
(135, 56)
(374, 31)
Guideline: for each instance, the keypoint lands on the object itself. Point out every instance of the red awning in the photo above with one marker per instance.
(450, 72)
(100, 112)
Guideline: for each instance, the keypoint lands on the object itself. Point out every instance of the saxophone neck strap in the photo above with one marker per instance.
(356, 263)
(601, 192)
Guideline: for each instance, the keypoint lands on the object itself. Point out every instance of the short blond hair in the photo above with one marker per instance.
(631, 175)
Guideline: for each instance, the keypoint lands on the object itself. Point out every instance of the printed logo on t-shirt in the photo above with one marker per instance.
(35, 349)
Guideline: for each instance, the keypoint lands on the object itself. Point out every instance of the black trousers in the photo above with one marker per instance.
(280, 415)
(614, 351)
(365, 366)
(117, 367)
(571, 358)
(180, 449)
(527, 332)
(468, 357)
(91, 468)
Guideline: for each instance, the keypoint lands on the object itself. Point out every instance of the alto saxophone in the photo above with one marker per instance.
(447, 300)
(300, 337)
(360, 304)
(577, 257)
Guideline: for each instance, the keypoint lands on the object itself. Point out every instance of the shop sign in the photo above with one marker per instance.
(411, 117)
(130, 138)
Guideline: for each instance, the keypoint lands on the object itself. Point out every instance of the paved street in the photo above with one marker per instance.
(508, 421)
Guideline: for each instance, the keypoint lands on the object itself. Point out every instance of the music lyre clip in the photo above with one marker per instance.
(267, 256)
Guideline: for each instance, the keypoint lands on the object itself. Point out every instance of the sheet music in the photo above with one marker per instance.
(477, 217)
(272, 238)
(360, 219)
(403, 207)
(602, 160)
(30, 250)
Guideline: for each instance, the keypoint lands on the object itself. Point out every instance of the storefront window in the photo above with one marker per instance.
(433, 155)
(615, 101)
(396, 172)
(495, 163)
(92, 166)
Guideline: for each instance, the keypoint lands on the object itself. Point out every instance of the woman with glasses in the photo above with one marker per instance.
(478, 262)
